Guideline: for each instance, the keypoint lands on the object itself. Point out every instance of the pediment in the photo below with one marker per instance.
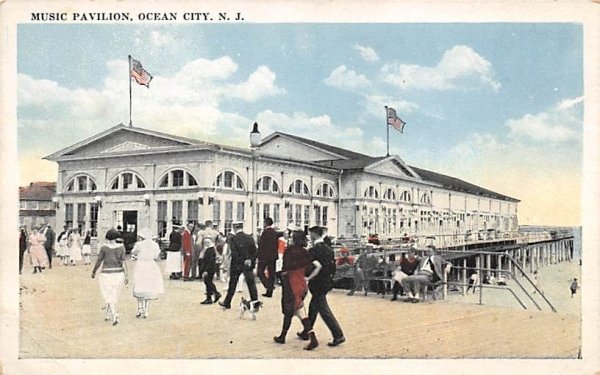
(286, 147)
(121, 139)
(393, 166)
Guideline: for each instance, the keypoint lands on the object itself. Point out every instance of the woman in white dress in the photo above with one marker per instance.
(39, 258)
(63, 248)
(86, 250)
(75, 247)
(147, 278)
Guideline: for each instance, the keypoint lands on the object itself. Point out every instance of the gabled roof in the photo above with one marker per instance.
(456, 184)
(345, 154)
(182, 141)
(38, 191)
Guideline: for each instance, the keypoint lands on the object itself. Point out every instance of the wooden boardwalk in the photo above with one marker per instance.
(61, 317)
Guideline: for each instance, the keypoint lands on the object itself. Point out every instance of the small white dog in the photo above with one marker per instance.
(251, 306)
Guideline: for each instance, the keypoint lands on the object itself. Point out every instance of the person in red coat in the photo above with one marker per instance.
(296, 259)
(267, 256)
(187, 247)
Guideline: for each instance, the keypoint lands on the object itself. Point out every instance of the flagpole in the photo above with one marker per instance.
(129, 74)
(388, 131)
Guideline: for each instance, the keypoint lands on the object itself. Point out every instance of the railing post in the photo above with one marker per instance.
(480, 259)
(464, 276)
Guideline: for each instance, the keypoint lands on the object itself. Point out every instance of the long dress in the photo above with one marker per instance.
(75, 248)
(294, 288)
(39, 258)
(63, 248)
(147, 279)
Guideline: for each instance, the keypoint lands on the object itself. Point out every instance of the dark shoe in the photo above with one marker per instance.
(350, 293)
(279, 339)
(337, 341)
(394, 298)
(409, 299)
(415, 300)
(224, 305)
(207, 301)
(34, 270)
(217, 296)
(302, 335)
(313, 341)
(186, 279)
(365, 293)
(267, 294)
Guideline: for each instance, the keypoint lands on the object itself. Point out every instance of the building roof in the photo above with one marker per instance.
(456, 184)
(323, 146)
(38, 191)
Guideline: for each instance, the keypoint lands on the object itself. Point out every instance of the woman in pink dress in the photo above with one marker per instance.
(39, 258)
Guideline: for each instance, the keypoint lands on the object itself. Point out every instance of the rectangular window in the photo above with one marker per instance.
(161, 218)
(228, 216)
(177, 178)
(94, 219)
(276, 218)
(81, 217)
(216, 212)
(290, 214)
(192, 211)
(318, 215)
(69, 215)
(127, 180)
(325, 216)
(240, 211)
(266, 212)
(177, 212)
(228, 180)
(306, 215)
(298, 215)
(22, 205)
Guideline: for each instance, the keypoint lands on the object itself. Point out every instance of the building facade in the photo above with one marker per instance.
(36, 204)
(134, 177)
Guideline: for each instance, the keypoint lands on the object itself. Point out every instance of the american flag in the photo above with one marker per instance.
(138, 73)
(394, 120)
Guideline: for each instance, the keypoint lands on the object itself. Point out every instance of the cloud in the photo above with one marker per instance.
(459, 67)
(344, 78)
(561, 123)
(375, 105)
(188, 103)
(367, 53)
(160, 39)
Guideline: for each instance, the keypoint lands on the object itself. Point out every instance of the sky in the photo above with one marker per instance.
(498, 104)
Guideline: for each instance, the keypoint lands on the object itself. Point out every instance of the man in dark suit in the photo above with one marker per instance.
(430, 269)
(49, 243)
(320, 282)
(267, 256)
(242, 249)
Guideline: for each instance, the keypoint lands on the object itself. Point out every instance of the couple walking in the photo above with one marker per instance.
(319, 260)
(147, 279)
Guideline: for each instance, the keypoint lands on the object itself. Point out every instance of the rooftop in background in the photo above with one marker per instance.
(38, 191)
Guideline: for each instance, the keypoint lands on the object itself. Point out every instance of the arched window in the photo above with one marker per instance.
(325, 190)
(298, 187)
(371, 192)
(127, 181)
(405, 196)
(177, 178)
(267, 184)
(229, 180)
(389, 195)
(81, 183)
(425, 199)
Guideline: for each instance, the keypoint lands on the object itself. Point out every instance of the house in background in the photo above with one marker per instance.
(37, 204)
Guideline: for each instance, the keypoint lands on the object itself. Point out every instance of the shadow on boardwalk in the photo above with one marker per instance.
(61, 317)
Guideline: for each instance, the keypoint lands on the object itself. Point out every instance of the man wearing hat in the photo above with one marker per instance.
(49, 243)
(320, 282)
(267, 256)
(187, 247)
(242, 250)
